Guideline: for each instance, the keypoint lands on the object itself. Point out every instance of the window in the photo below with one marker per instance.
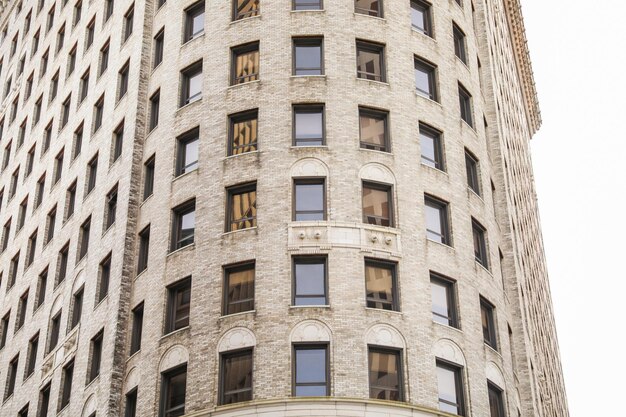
(58, 166)
(118, 142)
(421, 19)
(31, 357)
(194, 21)
(148, 177)
(37, 110)
(23, 412)
(104, 58)
(92, 172)
(310, 284)
(236, 377)
(14, 107)
(78, 141)
(377, 204)
(78, 9)
(155, 101)
(32, 247)
(241, 210)
(381, 285)
(6, 230)
(29, 86)
(54, 87)
(173, 392)
(135, 336)
(487, 317)
(128, 23)
(13, 270)
(245, 63)
(44, 401)
(370, 59)
(442, 291)
(43, 67)
(480, 244)
(60, 38)
(131, 403)
(108, 9)
(385, 374)
(187, 158)
(22, 134)
(437, 220)
(308, 121)
(307, 5)
(90, 32)
(465, 103)
(66, 385)
(144, 249)
(450, 386)
(84, 238)
(53, 332)
(471, 167)
(7, 156)
(42, 284)
(98, 113)
(41, 182)
(369, 7)
(496, 400)
(425, 79)
(309, 200)
(178, 305)
(35, 46)
(27, 22)
(65, 111)
(245, 8)
(76, 308)
(239, 288)
(84, 87)
(63, 260)
(432, 147)
(111, 208)
(123, 80)
(459, 43)
(4, 328)
(50, 20)
(308, 56)
(13, 186)
(373, 129)
(70, 200)
(14, 45)
(21, 215)
(96, 356)
(11, 377)
(104, 278)
(50, 225)
(21, 311)
(71, 61)
(311, 371)
(244, 128)
(159, 40)
(191, 84)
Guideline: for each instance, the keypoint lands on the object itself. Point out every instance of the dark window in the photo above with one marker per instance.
(244, 128)
(370, 61)
(236, 377)
(71, 61)
(159, 40)
(23, 412)
(245, 8)
(377, 204)
(471, 167)
(11, 377)
(84, 87)
(123, 80)
(437, 220)
(13, 268)
(155, 102)
(31, 359)
(78, 8)
(47, 138)
(42, 284)
(369, 7)
(385, 374)
(78, 141)
(65, 111)
(21, 216)
(465, 104)
(459, 43)
(245, 63)
(426, 79)
(53, 333)
(111, 208)
(118, 142)
(135, 336)
(178, 305)
(148, 178)
(487, 317)
(450, 386)
(432, 147)
(310, 284)
(98, 113)
(443, 296)
(50, 20)
(241, 210)
(21, 311)
(144, 249)
(191, 89)
(76, 308)
(83, 240)
(108, 9)
(239, 288)
(62, 262)
(131, 403)
(373, 129)
(4, 328)
(39, 191)
(183, 225)
(194, 21)
(104, 278)
(381, 285)
(96, 356)
(66, 385)
(54, 87)
(13, 186)
(92, 173)
(60, 38)
(311, 371)
(421, 18)
(496, 400)
(309, 199)
(173, 391)
(58, 166)
(104, 58)
(44, 401)
(128, 23)
(32, 247)
(71, 200)
(308, 125)
(480, 244)
(308, 56)
(307, 5)
(6, 230)
(90, 32)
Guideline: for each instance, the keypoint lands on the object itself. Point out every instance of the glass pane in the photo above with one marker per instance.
(237, 384)
(309, 201)
(307, 4)
(429, 157)
(195, 86)
(310, 366)
(379, 287)
(308, 60)
(422, 82)
(369, 65)
(439, 295)
(309, 130)
(376, 206)
(191, 155)
(245, 136)
(446, 380)
(198, 23)
(247, 8)
(372, 130)
(383, 372)
(240, 291)
(243, 212)
(370, 7)
(433, 224)
(309, 283)
(247, 67)
(311, 391)
(177, 390)
(418, 17)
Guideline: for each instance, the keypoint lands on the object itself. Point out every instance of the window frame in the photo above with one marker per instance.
(294, 5)
(182, 141)
(472, 169)
(308, 260)
(227, 303)
(295, 347)
(481, 254)
(224, 356)
(459, 383)
(237, 15)
(444, 219)
(296, 181)
(304, 41)
(430, 69)
(173, 307)
(177, 214)
(242, 117)
(377, 114)
(362, 11)
(428, 18)
(231, 192)
(395, 290)
(191, 13)
(308, 108)
(166, 378)
(399, 365)
(490, 333)
(450, 286)
(240, 50)
(465, 106)
(497, 393)
(389, 189)
(372, 47)
(187, 74)
(460, 45)
(437, 138)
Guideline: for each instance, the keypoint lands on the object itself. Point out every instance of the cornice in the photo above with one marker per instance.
(513, 10)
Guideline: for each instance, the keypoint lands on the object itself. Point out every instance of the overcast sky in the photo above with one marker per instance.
(578, 50)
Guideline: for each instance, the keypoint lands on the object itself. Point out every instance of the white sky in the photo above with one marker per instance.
(578, 50)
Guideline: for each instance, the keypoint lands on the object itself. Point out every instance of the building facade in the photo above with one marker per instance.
(271, 207)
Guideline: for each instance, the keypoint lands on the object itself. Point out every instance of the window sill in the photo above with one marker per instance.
(172, 333)
(134, 355)
(187, 42)
(106, 231)
(92, 382)
(143, 272)
(186, 174)
(181, 108)
(145, 200)
(469, 126)
(473, 192)
(307, 77)
(376, 151)
(308, 307)
(323, 147)
(243, 313)
(245, 19)
(428, 99)
(441, 171)
(422, 34)
(445, 326)
(392, 312)
(308, 11)
(226, 158)
(434, 242)
(191, 246)
(232, 232)
(373, 82)
(230, 87)
(492, 350)
(381, 19)
(464, 63)
(99, 303)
